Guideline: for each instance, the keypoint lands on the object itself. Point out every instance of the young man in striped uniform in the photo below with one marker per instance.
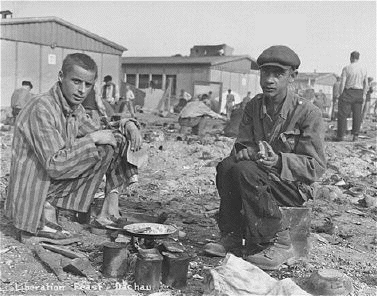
(59, 156)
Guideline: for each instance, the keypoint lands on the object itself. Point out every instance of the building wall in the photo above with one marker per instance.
(186, 74)
(57, 32)
(240, 66)
(237, 82)
(40, 64)
(210, 50)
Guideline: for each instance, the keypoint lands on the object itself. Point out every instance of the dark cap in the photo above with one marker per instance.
(107, 78)
(280, 56)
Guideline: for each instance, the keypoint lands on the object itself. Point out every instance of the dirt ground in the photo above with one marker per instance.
(180, 181)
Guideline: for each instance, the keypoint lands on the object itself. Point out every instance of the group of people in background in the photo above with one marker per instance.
(20, 97)
(105, 101)
(352, 93)
(278, 154)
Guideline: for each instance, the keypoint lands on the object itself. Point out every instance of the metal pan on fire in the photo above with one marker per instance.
(149, 230)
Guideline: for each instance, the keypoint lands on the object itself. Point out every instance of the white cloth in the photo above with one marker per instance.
(237, 277)
(186, 96)
(130, 95)
(196, 109)
(353, 76)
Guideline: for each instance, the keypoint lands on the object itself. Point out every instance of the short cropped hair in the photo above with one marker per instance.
(27, 83)
(79, 59)
(107, 78)
(355, 55)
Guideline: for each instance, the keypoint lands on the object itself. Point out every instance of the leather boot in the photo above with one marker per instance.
(227, 243)
(276, 254)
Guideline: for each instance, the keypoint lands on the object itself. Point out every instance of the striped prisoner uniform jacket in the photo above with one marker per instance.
(51, 146)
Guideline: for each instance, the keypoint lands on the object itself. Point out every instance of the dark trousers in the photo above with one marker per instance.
(351, 100)
(250, 200)
(130, 106)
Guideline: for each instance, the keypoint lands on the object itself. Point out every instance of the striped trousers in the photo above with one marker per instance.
(78, 194)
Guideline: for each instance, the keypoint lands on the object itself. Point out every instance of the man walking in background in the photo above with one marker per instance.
(20, 97)
(229, 103)
(353, 89)
(335, 97)
(130, 99)
(110, 91)
(367, 101)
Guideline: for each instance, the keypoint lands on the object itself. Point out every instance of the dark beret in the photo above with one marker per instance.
(280, 56)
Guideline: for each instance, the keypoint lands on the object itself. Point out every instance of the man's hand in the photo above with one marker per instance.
(268, 157)
(103, 137)
(246, 154)
(132, 133)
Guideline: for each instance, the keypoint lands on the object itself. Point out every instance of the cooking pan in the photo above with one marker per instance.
(149, 230)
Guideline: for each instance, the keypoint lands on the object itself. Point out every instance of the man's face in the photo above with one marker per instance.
(274, 81)
(76, 84)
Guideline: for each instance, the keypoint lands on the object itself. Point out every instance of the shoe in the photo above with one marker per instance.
(227, 243)
(276, 254)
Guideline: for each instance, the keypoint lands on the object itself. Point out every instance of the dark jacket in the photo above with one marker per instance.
(297, 135)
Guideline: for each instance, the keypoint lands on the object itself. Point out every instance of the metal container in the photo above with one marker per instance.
(148, 269)
(298, 221)
(329, 282)
(174, 269)
(114, 263)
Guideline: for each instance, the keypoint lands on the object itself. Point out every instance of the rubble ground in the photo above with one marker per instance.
(179, 180)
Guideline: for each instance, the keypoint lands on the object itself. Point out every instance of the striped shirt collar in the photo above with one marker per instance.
(67, 109)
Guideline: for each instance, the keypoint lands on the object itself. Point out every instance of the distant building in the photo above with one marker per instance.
(205, 69)
(211, 50)
(33, 49)
(316, 81)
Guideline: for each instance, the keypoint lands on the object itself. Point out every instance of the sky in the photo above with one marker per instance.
(322, 33)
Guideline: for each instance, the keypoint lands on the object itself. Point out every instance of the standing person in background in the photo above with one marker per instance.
(367, 102)
(95, 106)
(130, 99)
(215, 105)
(20, 97)
(335, 97)
(152, 85)
(322, 103)
(353, 89)
(209, 95)
(110, 91)
(247, 98)
(229, 103)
